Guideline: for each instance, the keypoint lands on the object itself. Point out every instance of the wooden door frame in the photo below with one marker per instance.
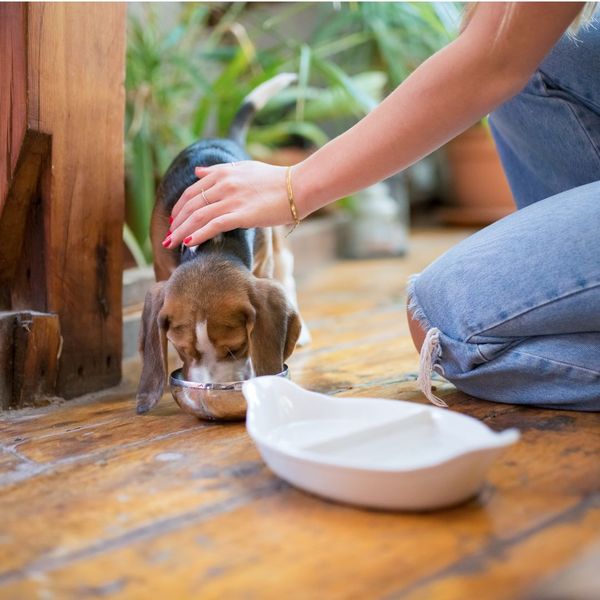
(62, 105)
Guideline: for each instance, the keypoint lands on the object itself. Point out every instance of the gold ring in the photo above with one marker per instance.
(206, 202)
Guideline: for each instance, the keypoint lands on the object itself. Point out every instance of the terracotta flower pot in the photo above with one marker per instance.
(479, 191)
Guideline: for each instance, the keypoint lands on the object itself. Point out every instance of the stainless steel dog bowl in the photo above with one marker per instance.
(212, 401)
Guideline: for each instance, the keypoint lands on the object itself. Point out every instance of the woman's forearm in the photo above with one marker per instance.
(448, 93)
(432, 106)
(491, 61)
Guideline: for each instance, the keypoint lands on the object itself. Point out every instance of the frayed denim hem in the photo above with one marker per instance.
(431, 350)
(413, 305)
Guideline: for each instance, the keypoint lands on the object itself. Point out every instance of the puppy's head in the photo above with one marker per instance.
(225, 324)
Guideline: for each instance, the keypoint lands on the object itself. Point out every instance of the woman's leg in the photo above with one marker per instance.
(548, 135)
(512, 314)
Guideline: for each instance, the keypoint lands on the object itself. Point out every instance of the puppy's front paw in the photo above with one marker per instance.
(145, 403)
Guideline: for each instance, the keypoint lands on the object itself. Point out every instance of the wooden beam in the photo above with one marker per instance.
(7, 326)
(14, 218)
(80, 101)
(31, 345)
(62, 190)
(13, 89)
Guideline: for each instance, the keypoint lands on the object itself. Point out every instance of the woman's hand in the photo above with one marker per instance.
(227, 196)
(489, 63)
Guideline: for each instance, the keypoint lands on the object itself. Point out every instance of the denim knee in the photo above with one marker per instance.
(560, 371)
(511, 313)
(446, 349)
(543, 371)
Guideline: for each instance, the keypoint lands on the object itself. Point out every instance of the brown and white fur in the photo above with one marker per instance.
(228, 306)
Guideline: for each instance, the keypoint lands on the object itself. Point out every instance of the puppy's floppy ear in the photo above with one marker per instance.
(153, 348)
(275, 328)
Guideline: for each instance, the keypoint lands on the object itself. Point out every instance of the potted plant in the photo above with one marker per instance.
(186, 80)
(396, 38)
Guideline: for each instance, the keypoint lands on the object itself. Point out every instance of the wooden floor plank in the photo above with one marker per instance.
(243, 548)
(102, 502)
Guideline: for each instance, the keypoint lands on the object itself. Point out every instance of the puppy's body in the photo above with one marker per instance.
(217, 303)
(179, 176)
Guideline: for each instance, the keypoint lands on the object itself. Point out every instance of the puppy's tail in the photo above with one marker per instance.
(254, 101)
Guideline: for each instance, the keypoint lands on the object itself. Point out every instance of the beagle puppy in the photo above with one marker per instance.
(228, 306)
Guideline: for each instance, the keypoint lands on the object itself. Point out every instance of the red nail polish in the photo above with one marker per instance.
(171, 219)
(167, 242)
(169, 232)
(187, 240)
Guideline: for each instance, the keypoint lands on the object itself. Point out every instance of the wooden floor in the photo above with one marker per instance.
(98, 502)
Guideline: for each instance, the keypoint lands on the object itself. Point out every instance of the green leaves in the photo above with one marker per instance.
(394, 36)
(303, 77)
(336, 76)
(280, 133)
(140, 190)
(186, 80)
(134, 246)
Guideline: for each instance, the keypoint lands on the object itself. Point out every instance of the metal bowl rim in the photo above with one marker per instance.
(232, 386)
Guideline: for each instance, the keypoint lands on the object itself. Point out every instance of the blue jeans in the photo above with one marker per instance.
(512, 313)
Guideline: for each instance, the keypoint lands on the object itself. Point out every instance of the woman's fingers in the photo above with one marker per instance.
(193, 204)
(219, 224)
(207, 178)
(195, 221)
(226, 197)
(190, 192)
(216, 194)
(197, 212)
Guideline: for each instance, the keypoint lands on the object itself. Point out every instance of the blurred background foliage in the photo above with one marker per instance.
(190, 65)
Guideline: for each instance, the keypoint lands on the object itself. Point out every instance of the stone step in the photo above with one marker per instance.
(132, 318)
(136, 282)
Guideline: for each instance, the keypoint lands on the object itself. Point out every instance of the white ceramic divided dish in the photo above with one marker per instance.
(386, 454)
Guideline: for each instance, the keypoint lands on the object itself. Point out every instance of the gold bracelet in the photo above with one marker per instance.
(290, 193)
